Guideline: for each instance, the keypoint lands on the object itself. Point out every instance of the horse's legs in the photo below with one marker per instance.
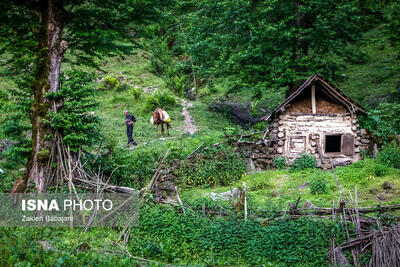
(156, 129)
(162, 129)
(168, 127)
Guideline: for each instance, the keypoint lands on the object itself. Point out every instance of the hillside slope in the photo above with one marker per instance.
(377, 76)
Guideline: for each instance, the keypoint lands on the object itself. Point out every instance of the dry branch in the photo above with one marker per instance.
(195, 151)
(143, 192)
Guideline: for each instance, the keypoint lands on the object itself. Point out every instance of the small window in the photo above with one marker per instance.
(333, 143)
(297, 144)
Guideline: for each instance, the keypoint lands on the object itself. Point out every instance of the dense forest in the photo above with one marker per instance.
(69, 69)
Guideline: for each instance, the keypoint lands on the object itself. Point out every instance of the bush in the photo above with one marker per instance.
(305, 161)
(363, 171)
(221, 168)
(318, 186)
(384, 121)
(123, 87)
(390, 155)
(110, 83)
(160, 57)
(380, 169)
(13, 252)
(136, 92)
(161, 98)
(127, 169)
(176, 84)
(363, 153)
(374, 168)
(279, 162)
(259, 126)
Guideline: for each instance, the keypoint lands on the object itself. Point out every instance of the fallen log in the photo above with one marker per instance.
(328, 211)
(107, 187)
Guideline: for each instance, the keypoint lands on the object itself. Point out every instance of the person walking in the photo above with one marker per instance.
(129, 120)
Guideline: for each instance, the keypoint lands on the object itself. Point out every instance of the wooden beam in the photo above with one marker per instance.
(313, 104)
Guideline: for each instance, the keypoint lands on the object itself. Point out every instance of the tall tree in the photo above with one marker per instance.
(46, 30)
(266, 44)
(392, 25)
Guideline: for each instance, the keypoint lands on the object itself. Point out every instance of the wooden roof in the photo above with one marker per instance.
(329, 89)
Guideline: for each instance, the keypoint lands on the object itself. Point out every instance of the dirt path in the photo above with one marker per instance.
(188, 125)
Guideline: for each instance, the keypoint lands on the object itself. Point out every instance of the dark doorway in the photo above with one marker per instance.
(333, 143)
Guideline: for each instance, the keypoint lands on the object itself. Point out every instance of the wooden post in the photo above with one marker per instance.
(71, 223)
(313, 104)
(179, 200)
(203, 210)
(245, 201)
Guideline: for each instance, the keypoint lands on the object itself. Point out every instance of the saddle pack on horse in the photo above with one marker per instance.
(160, 116)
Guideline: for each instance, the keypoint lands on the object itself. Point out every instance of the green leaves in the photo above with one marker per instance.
(160, 99)
(318, 186)
(277, 42)
(220, 168)
(384, 120)
(279, 162)
(230, 241)
(76, 119)
(390, 155)
(392, 26)
(305, 161)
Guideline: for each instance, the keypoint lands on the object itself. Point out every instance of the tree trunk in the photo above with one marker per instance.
(52, 18)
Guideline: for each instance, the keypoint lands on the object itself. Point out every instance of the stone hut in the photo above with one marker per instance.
(316, 118)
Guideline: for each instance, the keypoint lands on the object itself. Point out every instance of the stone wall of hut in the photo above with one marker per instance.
(290, 134)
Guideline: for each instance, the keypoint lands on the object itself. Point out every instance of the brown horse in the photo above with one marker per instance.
(158, 119)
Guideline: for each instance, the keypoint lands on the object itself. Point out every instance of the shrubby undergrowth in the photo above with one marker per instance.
(167, 236)
(175, 238)
(160, 99)
(318, 186)
(67, 247)
(390, 155)
(219, 168)
(363, 172)
(279, 162)
(305, 161)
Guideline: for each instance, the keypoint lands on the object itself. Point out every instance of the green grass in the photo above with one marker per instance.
(277, 188)
(136, 70)
(208, 121)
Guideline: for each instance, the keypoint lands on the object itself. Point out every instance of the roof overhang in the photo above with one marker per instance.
(328, 89)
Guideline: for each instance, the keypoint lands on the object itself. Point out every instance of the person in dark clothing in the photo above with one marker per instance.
(129, 120)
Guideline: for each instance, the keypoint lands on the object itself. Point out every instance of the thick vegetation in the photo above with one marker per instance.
(251, 52)
(177, 238)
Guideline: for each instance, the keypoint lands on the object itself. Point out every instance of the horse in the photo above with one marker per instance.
(158, 119)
